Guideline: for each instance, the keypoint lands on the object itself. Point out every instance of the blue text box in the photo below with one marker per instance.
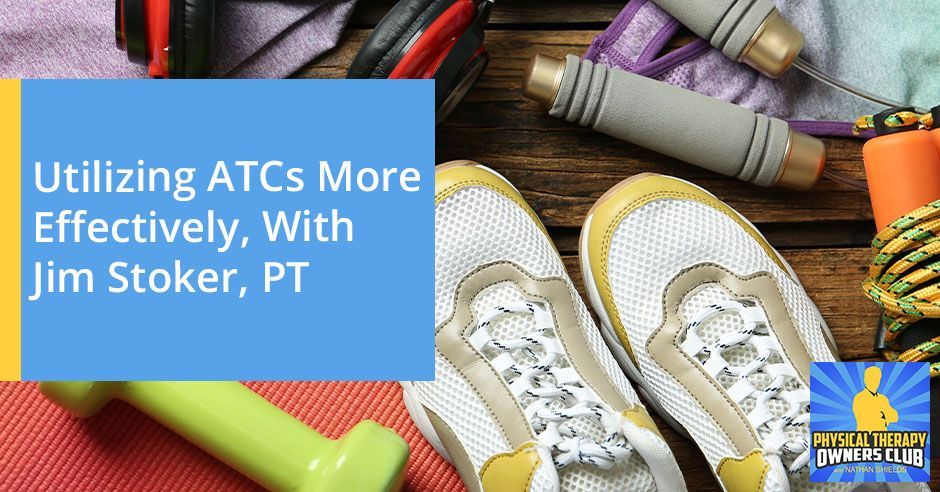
(366, 308)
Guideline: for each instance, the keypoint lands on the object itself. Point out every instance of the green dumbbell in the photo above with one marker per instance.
(239, 427)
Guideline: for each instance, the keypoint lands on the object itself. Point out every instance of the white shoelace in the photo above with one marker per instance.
(754, 333)
(555, 394)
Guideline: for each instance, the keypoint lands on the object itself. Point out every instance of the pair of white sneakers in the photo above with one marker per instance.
(701, 313)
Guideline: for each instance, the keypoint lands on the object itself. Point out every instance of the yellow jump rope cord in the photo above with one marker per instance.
(896, 120)
(901, 280)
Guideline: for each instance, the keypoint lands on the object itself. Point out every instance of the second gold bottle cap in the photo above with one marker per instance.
(543, 78)
(804, 163)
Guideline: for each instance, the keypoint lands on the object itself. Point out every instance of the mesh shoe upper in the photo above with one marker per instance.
(662, 237)
(526, 361)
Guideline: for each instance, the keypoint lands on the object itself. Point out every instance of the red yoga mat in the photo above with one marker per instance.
(43, 448)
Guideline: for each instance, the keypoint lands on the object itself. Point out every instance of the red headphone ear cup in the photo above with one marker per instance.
(381, 51)
(192, 38)
(131, 29)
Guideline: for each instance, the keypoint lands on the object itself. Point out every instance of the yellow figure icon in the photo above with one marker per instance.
(873, 411)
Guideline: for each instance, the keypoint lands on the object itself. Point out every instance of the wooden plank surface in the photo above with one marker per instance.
(561, 169)
(514, 13)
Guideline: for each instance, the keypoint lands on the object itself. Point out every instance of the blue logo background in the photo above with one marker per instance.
(833, 387)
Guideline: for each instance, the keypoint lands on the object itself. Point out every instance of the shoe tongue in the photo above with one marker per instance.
(510, 326)
(730, 322)
(515, 325)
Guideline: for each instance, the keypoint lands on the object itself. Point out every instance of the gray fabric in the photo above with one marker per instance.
(726, 138)
(75, 38)
(887, 48)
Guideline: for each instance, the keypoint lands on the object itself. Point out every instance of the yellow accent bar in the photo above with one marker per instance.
(748, 474)
(10, 210)
(511, 472)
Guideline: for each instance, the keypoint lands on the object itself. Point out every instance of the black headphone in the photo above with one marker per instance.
(423, 39)
(173, 38)
(439, 39)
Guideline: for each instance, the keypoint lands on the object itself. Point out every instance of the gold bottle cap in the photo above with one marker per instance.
(804, 163)
(774, 46)
(543, 78)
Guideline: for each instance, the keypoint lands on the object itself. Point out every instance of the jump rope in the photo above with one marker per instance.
(903, 168)
(902, 162)
(443, 40)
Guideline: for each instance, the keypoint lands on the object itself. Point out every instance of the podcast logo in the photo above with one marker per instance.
(869, 422)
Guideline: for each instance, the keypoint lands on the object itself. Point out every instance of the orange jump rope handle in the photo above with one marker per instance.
(935, 134)
(903, 170)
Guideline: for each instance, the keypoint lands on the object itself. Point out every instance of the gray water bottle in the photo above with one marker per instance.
(713, 134)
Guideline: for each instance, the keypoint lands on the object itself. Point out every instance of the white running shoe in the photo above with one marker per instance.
(527, 396)
(713, 326)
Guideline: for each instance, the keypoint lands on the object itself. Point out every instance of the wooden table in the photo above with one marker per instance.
(562, 168)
